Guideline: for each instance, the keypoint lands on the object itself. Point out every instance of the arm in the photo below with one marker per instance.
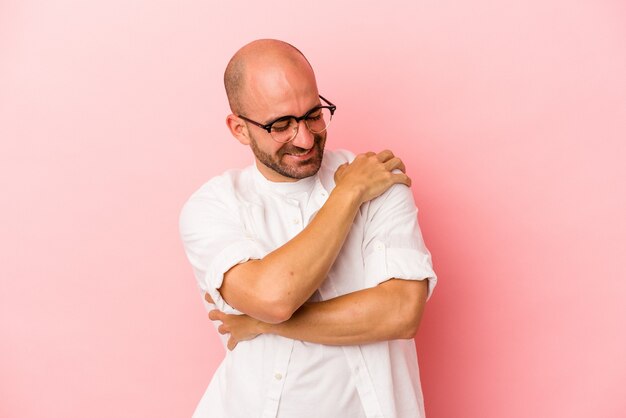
(387, 308)
(273, 288)
(391, 310)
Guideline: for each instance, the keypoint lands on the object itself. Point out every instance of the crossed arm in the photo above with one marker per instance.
(272, 292)
(391, 310)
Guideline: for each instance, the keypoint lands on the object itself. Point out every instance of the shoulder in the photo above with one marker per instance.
(333, 159)
(221, 188)
(394, 202)
(219, 195)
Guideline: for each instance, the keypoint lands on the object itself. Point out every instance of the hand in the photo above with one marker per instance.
(371, 174)
(240, 327)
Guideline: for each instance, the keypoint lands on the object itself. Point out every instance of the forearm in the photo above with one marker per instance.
(391, 310)
(288, 276)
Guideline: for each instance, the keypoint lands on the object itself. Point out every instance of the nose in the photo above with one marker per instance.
(304, 138)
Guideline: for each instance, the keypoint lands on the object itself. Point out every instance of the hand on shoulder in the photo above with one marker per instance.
(371, 174)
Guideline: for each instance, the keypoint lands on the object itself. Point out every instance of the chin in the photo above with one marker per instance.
(306, 168)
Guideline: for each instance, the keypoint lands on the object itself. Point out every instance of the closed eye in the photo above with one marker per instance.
(281, 126)
(315, 115)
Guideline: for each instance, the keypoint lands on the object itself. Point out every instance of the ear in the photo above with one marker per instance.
(238, 128)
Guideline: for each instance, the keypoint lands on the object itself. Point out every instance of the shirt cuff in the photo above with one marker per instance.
(398, 263)
(234, 254)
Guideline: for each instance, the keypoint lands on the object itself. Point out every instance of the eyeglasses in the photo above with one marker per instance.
(285, 128)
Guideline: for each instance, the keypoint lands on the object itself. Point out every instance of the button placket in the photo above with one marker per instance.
(318, 199)
(356, 362)
(277, 382)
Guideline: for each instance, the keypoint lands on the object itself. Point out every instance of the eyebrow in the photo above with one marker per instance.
(271, 120)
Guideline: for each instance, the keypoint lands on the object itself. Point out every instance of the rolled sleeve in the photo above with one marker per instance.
(215, 240)
(393, 245)
(398, 263)
(236, 253)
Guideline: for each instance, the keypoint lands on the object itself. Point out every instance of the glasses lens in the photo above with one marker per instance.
(319, 120)
(284, 130)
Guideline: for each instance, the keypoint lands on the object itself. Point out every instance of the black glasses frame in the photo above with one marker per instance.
(268, 126)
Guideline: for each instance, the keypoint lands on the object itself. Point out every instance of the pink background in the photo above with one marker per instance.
(510, 115)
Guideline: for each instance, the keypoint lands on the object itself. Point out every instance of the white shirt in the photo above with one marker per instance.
(236, 217)
(309, 362)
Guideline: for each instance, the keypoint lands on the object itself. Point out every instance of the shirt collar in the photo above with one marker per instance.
(285, 188)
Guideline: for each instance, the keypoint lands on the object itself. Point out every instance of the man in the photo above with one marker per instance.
(312, 262)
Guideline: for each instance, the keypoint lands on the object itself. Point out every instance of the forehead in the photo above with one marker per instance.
(275, 90)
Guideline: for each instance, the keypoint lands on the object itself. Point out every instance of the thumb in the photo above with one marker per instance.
(340, 170)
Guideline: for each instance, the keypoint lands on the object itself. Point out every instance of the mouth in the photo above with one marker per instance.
(304, 156)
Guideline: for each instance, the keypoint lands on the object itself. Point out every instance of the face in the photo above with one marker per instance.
(288, 162)
(276, 92)
(278, 82)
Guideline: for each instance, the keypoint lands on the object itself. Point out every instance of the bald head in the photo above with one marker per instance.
(259, 57)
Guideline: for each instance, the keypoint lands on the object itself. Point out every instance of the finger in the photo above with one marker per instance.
(395, 163)
(231, 344)
(385, 155)
(340, 169)
(222, 329)
(369, 153)
(216, 315)
(401, 178)
(208, 298)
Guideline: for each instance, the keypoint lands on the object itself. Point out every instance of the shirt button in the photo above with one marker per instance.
(296, 221)
(323, 194)
(278, 376)
(379, 246)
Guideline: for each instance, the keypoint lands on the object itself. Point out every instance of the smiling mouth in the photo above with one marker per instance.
(302, 155)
